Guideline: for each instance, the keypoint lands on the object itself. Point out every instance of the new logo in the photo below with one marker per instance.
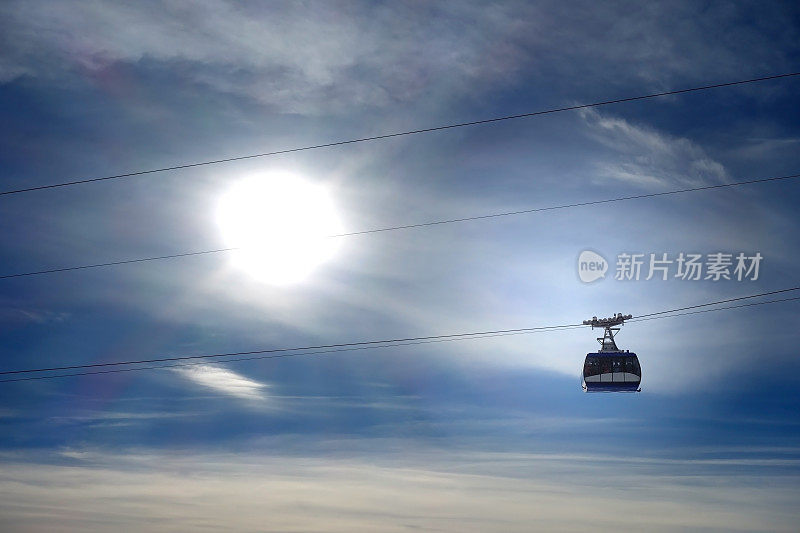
(591, 266)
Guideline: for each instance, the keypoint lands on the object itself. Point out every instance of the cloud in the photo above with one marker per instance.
(106, 419)
(660, 43)
(646, 157)
(311, 58)
(759, 148)
(297, 58)
(425, 489)
(35, 316)
(224, 381)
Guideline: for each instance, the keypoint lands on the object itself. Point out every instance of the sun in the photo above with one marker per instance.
(280, 225)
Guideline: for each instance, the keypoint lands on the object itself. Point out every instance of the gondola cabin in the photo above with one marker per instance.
(610, 369)
(611, 372)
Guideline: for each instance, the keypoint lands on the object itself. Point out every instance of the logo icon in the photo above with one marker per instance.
(591, 266)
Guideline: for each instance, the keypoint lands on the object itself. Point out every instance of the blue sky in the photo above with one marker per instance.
(483, 435)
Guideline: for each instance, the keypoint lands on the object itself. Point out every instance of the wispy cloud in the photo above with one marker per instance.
(307, 57)
(758, 148)
(428, 490)
(297, 58)
(98, 419)
(646, 157)
(36, 316)
(224, 381)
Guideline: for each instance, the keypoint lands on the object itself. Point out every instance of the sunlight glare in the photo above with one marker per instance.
(280, 222)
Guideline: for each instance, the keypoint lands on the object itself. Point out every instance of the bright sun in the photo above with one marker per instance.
(280, 224)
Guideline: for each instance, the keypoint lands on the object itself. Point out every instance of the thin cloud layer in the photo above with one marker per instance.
(224, 381)
(293, 57)
(333, 57)
(647, 157)
(438, 491)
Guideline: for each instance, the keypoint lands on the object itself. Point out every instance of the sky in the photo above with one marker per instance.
(490, 434)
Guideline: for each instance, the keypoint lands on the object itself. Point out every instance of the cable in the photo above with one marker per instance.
(419, 225)
(718, 302)
(274, 350)
(718, 309)
(399, 134)
(277, 352)
(274, 356)
(114, 263)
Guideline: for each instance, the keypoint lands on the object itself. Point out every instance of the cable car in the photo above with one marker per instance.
(611, 369)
